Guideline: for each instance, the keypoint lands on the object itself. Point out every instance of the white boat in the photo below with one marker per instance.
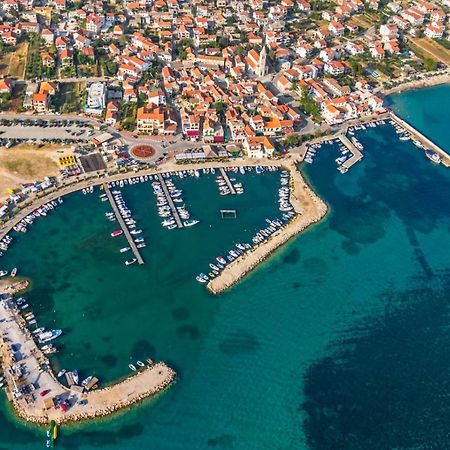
(61, 373)
(14, 272)
(128, 262)
(190, 223)
(124, 249)
(132, 367)
(433, 156)
(140, 363)
(3, 273)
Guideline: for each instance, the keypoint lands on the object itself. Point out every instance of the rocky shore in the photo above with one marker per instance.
(310, 209)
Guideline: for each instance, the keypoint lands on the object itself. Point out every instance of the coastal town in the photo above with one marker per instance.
(114, 93)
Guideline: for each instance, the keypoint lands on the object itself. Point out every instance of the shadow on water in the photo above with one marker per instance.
(386, 384)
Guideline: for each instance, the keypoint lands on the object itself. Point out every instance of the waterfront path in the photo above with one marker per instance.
(309, 208)
(227, 180)
(172, 206)
(123, 225)
(100, 402)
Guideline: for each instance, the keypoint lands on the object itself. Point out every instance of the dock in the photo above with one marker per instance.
(356, 153)
(426, 142)
(124, 227)
(172, 206)
(227, 180)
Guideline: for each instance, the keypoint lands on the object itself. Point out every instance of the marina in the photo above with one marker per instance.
(123, 226)
(308, 209)
(227, 180)
(169, 200)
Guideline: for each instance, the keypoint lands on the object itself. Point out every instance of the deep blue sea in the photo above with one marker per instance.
(339, 341)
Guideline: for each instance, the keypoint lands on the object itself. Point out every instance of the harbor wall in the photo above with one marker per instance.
(309, 208)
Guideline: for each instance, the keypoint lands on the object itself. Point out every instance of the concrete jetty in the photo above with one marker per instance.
(29, 373)
(124, 227)
(356, 153)
(172, 206)
(227, 180)
(426, 142)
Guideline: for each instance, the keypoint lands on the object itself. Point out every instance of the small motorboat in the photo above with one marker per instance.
(132, 367)
(128, 262)
(61, 373)
(140, 363)
(14, 272)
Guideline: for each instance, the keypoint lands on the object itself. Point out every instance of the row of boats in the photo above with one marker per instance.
(4, 245)
(140, 364)
(39, 212)
(405, 135)
(272, 225)
(130, 223)
(171, 207)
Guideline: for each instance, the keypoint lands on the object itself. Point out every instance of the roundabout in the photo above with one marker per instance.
(143, 151)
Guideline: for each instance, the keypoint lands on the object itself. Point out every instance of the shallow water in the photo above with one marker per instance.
(339, 341)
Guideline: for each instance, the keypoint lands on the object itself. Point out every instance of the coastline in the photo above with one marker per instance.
(98, 403)
(310, 209)
(418, 84)
(158, 377)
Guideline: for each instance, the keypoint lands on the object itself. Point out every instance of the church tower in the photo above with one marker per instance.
(262, 66)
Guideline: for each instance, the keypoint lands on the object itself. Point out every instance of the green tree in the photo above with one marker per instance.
(429, 64)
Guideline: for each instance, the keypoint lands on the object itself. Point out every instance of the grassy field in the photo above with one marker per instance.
(13, 64)
(428, 48)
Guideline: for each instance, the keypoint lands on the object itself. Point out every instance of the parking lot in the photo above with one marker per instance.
(44, 131)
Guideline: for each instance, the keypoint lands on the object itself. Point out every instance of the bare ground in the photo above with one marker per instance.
(27, 163)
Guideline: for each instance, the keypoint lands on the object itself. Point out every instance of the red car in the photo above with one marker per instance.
(63, 407)
(44, 393)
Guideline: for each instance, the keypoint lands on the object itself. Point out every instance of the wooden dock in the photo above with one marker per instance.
(426, 142)
(227, 180)
(172, 206)
(124, 227)
(356, 153)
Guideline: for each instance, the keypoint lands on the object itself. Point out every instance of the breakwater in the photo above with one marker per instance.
(28, 372)
(309, 209)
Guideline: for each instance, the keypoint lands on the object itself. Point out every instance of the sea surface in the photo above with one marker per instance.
(339, 341)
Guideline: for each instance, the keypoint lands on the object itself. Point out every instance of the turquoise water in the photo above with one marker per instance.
(339, 341)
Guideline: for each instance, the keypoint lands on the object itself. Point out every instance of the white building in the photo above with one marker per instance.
(96, 98)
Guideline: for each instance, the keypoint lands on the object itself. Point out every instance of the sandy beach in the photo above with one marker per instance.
(309, 208)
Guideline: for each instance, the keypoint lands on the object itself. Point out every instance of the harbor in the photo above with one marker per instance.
(308, 208)
(39, 397)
